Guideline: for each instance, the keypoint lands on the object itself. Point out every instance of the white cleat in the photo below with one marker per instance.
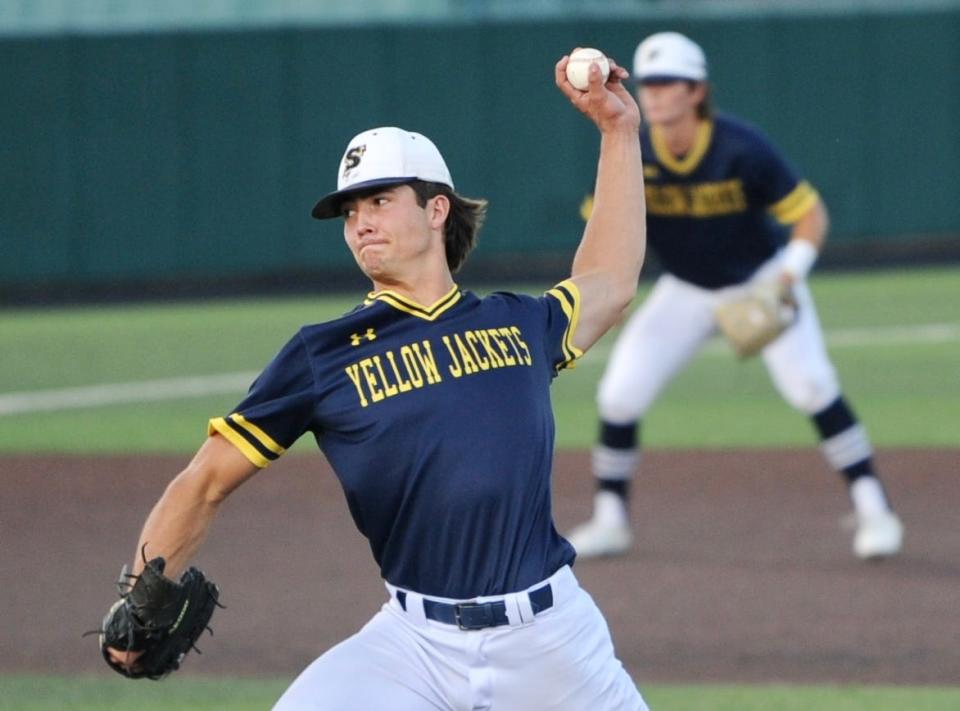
(596, 538)
(878, 535)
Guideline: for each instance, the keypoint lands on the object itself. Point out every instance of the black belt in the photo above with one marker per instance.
(478, 615)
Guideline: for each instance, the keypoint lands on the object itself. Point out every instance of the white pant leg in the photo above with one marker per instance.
(383, 666)
(798, 363)
(659, 339)
(564, 661)
(561, 660)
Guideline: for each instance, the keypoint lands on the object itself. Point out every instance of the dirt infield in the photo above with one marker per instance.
(742, 572)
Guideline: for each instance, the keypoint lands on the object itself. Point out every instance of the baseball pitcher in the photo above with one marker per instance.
(432, 406)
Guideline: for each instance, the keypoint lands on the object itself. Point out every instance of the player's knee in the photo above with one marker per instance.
(615, 406)
(810, 395)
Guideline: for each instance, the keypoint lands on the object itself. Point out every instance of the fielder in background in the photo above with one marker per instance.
(432, 406)
(727, 216)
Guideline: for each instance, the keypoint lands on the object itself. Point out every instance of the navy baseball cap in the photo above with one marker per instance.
(383, 156)
(669, 56)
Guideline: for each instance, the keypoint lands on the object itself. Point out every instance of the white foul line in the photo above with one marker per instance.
(880, 336)
(199, 385)
(842, 338)
(924, 333)
(122, 393)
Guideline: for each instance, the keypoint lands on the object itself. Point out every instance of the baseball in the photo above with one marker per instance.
(578, 68)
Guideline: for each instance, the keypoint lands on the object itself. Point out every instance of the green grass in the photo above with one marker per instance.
(907, 396)
(49, 348)
(33, 693)
(47, 693)
(908, 393)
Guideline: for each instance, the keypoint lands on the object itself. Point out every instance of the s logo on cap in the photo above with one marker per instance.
(352, 159)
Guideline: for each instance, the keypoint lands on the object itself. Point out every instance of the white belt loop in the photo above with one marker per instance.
(524, 607)
(415, 609)
(512, 610)
(564, 584)
(412, 606)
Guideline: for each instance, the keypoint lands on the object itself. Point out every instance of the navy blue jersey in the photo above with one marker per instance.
(722, 210)
(438, 423)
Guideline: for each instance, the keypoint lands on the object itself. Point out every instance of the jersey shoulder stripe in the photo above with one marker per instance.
(795, 204)
(567, 293)
(255, 444)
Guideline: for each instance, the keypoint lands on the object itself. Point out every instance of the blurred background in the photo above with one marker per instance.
(175, 149)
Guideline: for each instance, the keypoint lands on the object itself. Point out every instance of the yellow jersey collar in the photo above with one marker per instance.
(407, 305)
(689, 162)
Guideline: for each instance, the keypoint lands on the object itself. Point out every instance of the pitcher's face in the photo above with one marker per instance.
(388, 232)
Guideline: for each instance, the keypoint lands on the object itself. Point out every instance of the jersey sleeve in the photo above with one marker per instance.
(776, 184)
(562, 304)
(277, 409)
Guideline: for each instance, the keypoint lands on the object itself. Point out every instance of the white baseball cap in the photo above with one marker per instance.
(383, 156)
(669, 56)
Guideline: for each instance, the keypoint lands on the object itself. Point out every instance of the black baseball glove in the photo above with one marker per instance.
(159, 617)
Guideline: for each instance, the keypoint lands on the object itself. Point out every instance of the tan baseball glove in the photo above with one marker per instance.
(755, 320)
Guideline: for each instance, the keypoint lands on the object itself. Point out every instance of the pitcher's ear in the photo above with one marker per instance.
(439, 209)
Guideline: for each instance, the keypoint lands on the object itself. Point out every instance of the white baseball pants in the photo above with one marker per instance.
(560, 660)
(674, 323)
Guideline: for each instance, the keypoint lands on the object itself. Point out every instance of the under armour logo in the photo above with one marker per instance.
(355, 338)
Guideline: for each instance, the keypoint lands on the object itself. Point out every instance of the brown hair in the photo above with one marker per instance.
(463, 223)
(705, 107)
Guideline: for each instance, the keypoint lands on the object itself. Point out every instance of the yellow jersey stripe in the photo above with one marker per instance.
(220, 425)
(568, 311)
(569, 306)
(264, 439)
(796, 204)
(567, 293)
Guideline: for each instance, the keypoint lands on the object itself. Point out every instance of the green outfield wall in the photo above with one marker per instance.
(132, 157)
